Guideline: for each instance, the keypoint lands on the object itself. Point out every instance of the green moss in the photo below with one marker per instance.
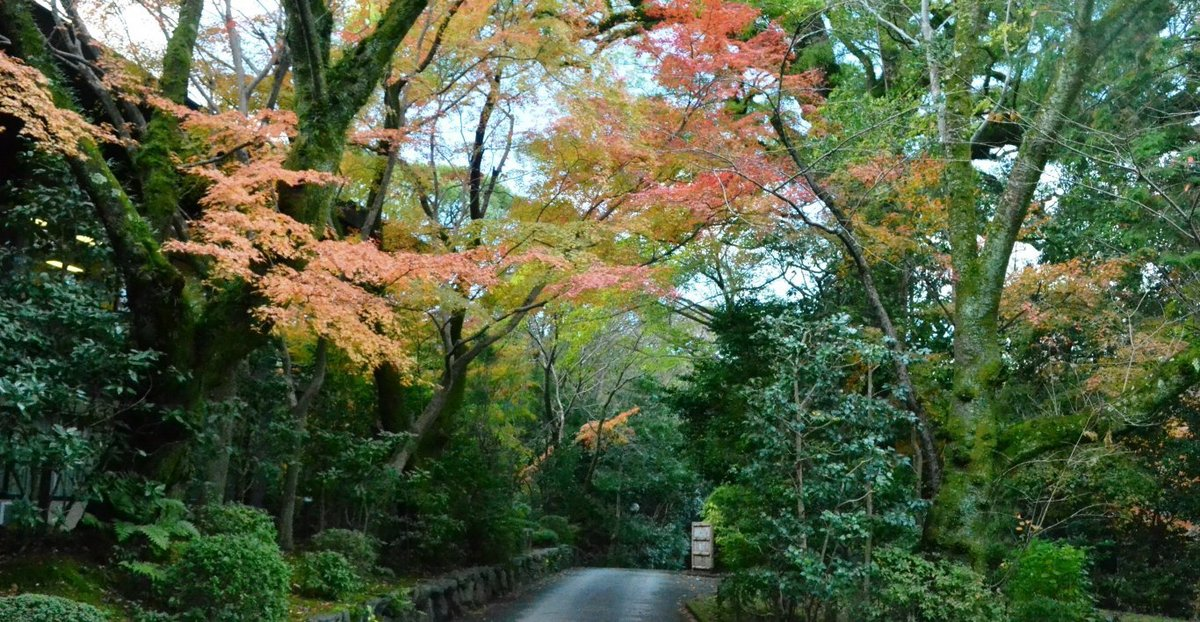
(160, 182)
(302, 608)
(959, 521)
(60, 576)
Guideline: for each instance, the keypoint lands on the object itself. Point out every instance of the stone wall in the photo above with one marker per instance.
(447, 597)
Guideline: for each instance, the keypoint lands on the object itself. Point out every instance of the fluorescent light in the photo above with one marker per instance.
(54, 262)
(74, 269)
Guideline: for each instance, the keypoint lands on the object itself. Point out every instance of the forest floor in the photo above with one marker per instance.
(301, 608)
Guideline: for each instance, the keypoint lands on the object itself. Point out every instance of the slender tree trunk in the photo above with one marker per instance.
(801, 404)
(216, 480)
(300, 406)
(844, 233)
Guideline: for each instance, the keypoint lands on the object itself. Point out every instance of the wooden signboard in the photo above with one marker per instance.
(702, 546)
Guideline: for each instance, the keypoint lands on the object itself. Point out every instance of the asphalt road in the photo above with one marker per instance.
(603, 595)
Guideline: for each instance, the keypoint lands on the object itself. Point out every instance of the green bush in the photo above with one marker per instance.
(235, 519)
(229, 578)
(149, 615)
(43, 608)
(724, 509)
(1050, 582)
(544, 537)
(326, 574)
(559, 525)
(360, 549)
(905, 586)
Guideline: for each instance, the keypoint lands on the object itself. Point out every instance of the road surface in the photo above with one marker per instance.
(603, 595)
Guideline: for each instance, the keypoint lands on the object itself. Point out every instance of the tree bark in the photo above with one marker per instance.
(330, 93)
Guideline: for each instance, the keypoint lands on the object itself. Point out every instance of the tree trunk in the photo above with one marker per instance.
(961, 520)
(299, 408)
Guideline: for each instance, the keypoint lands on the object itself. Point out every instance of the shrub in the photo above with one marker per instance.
(360, 549)
(544, 537)
(149, 615)
(724, 509)
(559, 525)
(43, 608)
(229, 578)
(909, 587)
(1050, 582)
(326, 574)
(235, 519)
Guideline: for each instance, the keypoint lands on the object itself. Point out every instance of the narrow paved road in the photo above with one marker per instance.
(604, 595)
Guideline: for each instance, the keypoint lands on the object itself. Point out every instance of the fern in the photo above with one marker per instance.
(170, 523)
(149, 570)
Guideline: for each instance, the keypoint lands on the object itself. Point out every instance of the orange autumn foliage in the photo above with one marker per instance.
(614, 431)
(25, 96)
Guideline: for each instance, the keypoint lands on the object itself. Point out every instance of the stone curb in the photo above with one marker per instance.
(447, 597)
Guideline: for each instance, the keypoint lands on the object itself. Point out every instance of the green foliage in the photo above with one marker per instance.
(710, 403)
(235, 519)
(360, 549)
(463, 508)
(561, 527)
(326, 574)
(822, 474)
(170, 524)
(905, 586)
(722, 509)
(641, 496)
(345, 467)
(544, 537)
(229, 578)
(71, 371)
(1050, 582)
(425, 527)
(42, 608)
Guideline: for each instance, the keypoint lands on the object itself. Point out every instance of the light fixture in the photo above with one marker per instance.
(54, 262)
(74, 269)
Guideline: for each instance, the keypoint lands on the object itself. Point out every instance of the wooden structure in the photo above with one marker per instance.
(702, 546)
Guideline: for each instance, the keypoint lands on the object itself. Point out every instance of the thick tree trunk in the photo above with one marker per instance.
(159, 180)
(962, 519)
(392, 399)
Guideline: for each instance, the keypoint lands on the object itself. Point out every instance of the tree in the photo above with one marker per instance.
(204, 333)
(823, 484)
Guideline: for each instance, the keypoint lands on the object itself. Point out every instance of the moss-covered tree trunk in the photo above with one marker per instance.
(962, 519)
